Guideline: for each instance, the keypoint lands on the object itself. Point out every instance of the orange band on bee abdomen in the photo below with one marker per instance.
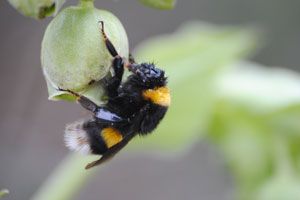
(111, 136)
(160, 96)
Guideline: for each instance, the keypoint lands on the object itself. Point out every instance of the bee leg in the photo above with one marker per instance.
(113, 83)
(110, 47)
(84, 101)
(137, 119)
(113, 52)
(131, 59)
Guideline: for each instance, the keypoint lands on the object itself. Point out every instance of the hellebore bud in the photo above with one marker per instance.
(73, 52)
(37, 8)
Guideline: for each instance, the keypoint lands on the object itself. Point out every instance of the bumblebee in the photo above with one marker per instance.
(133, 107)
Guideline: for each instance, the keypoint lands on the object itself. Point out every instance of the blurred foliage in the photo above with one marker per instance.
(3, 192)
(256, 126)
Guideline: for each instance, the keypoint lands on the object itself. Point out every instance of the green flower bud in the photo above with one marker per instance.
(74, 54)
(37, 8)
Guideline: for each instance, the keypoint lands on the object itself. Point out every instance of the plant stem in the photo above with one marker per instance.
(282, 160)
(86, 3)
(3, 192)
(66, 180)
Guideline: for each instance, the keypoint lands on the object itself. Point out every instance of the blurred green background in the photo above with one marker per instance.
(232, 131)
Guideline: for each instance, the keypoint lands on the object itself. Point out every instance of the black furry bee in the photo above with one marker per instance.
(133, 107)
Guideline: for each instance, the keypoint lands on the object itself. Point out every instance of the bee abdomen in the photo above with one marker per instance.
(90, 138)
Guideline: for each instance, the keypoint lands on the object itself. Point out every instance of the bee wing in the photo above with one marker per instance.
(111, 152)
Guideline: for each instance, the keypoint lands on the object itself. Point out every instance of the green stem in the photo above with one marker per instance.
(3, 192)
(282, 160)
(86, 3)
(66, 180)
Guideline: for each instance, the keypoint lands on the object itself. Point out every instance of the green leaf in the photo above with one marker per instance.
(3, 192)
(261, 88)
(159, 4)
(284, 182)
(243, 139)
(279, 188)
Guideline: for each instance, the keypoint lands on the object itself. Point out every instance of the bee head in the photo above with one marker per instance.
(149, 75)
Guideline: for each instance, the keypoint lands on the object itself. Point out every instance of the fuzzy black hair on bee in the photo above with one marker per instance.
(133, 107)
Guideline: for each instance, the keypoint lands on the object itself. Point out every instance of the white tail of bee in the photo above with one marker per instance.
(76, 138)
